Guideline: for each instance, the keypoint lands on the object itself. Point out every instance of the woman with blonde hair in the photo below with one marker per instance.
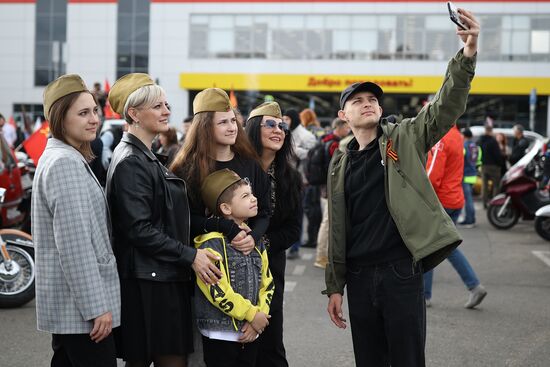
(216, 141)
(77, 284)
(150, 217)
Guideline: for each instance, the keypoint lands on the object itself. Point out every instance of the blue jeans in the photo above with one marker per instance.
(296, 246)
(458, 261)
(469, 210)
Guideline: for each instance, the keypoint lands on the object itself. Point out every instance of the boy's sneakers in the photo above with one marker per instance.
(466, 225)
(476, 296)
(428, 303)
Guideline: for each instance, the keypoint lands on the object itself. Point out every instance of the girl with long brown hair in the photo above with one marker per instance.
(216, 141)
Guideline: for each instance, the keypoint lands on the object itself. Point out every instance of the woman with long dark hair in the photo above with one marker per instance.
(216, 141)
(271, 139)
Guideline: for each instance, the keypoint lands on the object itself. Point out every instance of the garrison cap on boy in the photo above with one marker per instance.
(214, 185)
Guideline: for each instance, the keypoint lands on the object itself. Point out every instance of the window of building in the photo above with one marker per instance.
(515, 37)
(441, 42)
(363, 37)
(132, 37)
(50, 40)
(540, 38)
(198, 42)
(540, 42)
(221, 38)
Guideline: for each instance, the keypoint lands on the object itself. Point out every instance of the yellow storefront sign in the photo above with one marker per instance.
(336, 83)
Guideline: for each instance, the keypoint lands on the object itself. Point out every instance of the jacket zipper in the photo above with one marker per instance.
(408, 181)
(386, 190)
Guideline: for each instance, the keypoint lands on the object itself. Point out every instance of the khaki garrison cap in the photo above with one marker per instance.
(125, 86)
(214, 185)
(62, 86)
(211, 100)
(266, 109)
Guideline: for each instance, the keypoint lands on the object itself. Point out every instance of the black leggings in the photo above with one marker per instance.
(162, 361)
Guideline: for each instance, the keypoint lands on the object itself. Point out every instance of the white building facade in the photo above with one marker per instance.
(300, 52)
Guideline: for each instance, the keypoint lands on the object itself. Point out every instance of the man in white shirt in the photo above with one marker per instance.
(8, 130)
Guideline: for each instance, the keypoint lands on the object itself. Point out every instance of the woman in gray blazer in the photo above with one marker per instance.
(77, 284)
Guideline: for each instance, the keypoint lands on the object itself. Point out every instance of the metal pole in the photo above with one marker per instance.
(532, 108)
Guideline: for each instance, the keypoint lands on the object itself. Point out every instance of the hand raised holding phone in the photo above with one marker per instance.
(467, 28)
(455, 16)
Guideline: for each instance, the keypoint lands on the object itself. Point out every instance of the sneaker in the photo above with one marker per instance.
(428, 303)
(293, 255)
(476, 296)
(466, 225)
(321, 263)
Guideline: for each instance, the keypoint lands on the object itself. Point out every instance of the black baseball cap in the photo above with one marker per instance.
(360, 87)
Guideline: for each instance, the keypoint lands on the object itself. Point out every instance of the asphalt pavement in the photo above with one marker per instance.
(510, 328)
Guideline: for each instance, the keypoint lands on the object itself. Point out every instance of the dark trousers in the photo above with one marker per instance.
(272, 351)
(313, 212)
(490, 173)
(387, 314)
(222, 353)
(78, 350)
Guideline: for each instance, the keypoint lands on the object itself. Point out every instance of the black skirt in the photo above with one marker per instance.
(156, 320)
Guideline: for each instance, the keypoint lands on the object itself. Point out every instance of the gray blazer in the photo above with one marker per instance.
(76, 272)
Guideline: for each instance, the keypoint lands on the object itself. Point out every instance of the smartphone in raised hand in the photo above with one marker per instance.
(453, 14)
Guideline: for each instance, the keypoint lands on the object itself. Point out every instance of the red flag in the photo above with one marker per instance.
(233, 99)
(108, 112)
(36, 143)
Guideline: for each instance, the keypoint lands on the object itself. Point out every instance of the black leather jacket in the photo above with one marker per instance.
(150, 215)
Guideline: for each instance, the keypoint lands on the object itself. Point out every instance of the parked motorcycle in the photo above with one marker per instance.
(27, 168)
(16, 266)
(542, 222)
(520, 194)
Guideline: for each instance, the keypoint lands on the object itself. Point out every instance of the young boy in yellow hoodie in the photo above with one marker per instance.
(232, 313)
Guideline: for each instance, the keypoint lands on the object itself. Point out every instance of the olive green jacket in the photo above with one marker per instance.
(426, 229)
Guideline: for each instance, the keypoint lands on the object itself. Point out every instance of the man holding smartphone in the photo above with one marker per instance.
(387, 226)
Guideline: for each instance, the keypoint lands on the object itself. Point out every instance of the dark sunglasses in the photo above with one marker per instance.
(271, 124)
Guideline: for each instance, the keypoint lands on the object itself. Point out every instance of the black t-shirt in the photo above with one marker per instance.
(373, 237)
(260, 187)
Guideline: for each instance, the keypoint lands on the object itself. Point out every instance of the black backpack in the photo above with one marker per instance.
(317, 162)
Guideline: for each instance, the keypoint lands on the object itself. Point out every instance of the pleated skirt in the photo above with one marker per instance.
(156, 320)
